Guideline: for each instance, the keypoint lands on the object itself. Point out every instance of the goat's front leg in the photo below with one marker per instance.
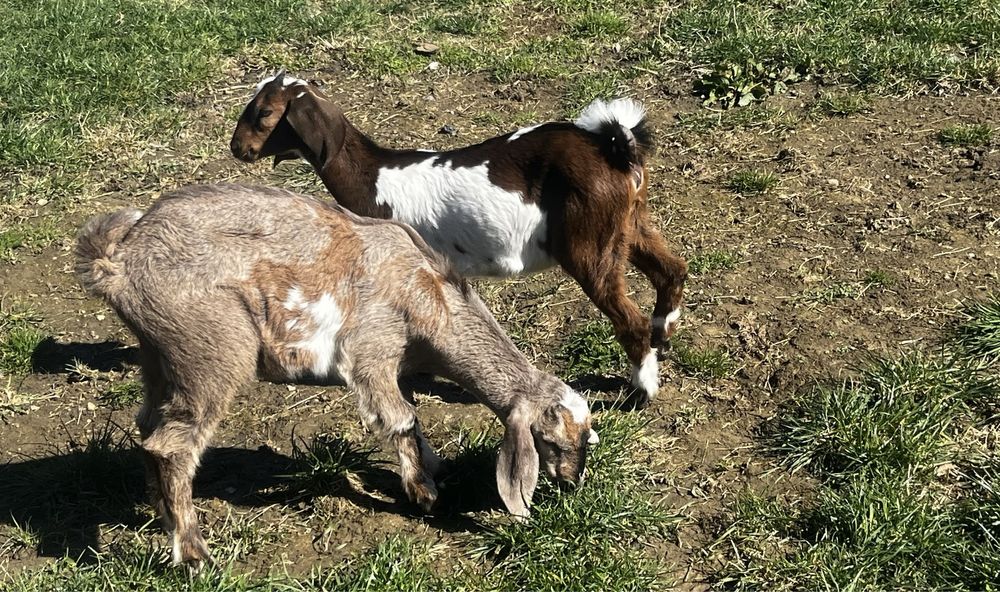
(386, 412)
(604, 282)
(667, 272)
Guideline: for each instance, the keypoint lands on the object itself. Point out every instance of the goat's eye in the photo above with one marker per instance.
(263, 113)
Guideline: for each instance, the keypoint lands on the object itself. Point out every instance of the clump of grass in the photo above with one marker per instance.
(972, 134)
(18, 539)
(710, 261)
(880, 279)
(592, 349)
(842, 105)
(17, 402)
(396, 564)
(601, 24)
(589, 537)
(978, 336)
(756, 116)
(752, 182)
(19, 336)
(586, 87)
(707, 362)
(122, 394)
(325, 462)
(31, 237)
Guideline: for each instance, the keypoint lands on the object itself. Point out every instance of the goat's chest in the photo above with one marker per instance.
(484, 229)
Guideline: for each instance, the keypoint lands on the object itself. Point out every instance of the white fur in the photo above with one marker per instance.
(664, 322)
(576, 404)
(523, 131)
(647, 375)
(175, 548)
(327, 319)
(449, 206)
(626, 112)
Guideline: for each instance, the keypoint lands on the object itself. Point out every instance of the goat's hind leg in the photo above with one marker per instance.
(386, 412)
(667, 272)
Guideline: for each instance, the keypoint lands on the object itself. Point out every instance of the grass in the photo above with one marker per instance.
(970, 134)
(19, 336)
(842, 105)
(324, 463)
(907, 483)
(122, 394)
(592, 349)
(752, 182)
(17, 402)
(706, 362)
(710, 261)
(978, 336)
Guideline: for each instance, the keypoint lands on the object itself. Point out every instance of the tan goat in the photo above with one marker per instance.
(571, 194)
(222, 282)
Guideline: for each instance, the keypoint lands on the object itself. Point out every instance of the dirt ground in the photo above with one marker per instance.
(873, 236)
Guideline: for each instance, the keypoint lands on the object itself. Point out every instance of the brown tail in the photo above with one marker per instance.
(99, 271)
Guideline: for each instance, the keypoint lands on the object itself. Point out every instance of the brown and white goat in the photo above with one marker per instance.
(222, 282)
(566, 193)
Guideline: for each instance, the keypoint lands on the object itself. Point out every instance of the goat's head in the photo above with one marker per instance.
(288, 118)
(556, 437)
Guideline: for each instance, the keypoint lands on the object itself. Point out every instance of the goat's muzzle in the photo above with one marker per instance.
(248, 155)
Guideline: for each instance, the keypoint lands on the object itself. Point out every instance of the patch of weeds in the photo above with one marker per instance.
(592, 349)
(848, 290)
(26, 237)
(19, 336)
(464, 23)
(752, 182)
(763, 117)
(589, 538)
(18, 540)
(386, 59)
(879, 279)
(736, 85)
(971, 134)
(324, 463)
(842, 105)
(602, 24)
(710, 261)
(122, 394)
(708, 362)
(978, 335)
(243, 534)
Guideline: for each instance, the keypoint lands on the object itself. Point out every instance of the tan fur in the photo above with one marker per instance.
(205, 280)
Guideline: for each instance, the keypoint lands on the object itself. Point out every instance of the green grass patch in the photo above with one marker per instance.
(700, 362)
(752, 182)
(601, 24)
(585, 87)
(710, 261)
(842, 105)
(324, 463)
(970, 134)
(978, 335)
(122, 394)
(30, 237)
(592, 349)
(760, 117)
(19, 336)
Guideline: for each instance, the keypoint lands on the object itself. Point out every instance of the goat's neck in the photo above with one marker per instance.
(350, 175)
(481, 358)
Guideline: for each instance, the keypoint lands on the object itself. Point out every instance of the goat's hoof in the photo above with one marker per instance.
(424, 494)
(638, 400)
(192, 552)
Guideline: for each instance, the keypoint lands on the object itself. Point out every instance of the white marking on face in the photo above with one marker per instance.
(576, 404)
(523, 131)
(647, 375)
(625, 112)
(484, 229)
(285, 83)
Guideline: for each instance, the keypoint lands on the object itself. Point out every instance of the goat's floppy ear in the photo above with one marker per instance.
(517, 464)
(318, 122)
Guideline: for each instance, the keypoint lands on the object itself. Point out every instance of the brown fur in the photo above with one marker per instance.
(217, 284)
(592, 188)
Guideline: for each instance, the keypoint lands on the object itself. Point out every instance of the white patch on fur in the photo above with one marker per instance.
(327, 319)
(459, 209)
(593, 439)
(664, 322)
(647, 376)
(626, 112)
(300, 95)
(576, 404)
(285, 83)
(175, 548)
(523, 131)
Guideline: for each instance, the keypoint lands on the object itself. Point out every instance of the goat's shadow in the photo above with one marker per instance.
(52, 357)
(65, 498)
(616, 392)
